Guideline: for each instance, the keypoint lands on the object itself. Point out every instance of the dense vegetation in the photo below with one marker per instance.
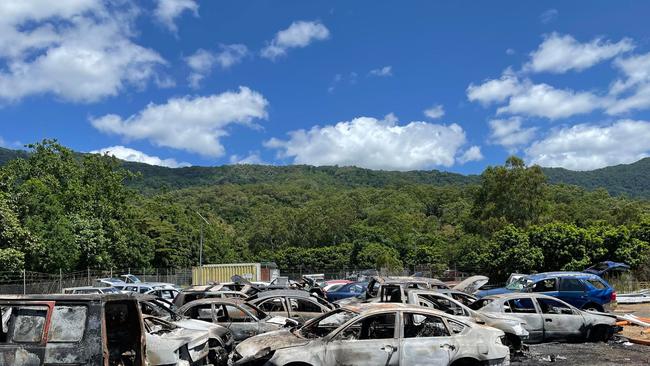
(61, 210)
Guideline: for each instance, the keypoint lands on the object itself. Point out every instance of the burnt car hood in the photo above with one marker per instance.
(213, 329)
(471, 284)
(275, 340)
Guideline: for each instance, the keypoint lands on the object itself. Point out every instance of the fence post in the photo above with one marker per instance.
(24, 282)
(60, 280)
(88, 271)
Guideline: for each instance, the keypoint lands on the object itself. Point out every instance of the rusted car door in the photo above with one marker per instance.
(372, 340)
(560, 321)
(23, 332)
(425, 340)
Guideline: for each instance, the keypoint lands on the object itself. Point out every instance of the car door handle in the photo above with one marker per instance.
(389, 349)
(448, 346)
(549, 320)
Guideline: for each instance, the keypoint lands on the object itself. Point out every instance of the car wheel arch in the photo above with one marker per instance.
(466, 361)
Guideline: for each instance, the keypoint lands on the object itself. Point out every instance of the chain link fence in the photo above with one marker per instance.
(28, 282)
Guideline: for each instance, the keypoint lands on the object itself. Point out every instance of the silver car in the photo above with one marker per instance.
(378, 334)
(549, 318)
(513, 327)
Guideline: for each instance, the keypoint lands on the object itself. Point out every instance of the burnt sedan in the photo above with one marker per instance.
(378, 334)
(549, 318)
(299, 305)
(244, 320)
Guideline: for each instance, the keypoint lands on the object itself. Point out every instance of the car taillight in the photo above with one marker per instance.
(613, 296)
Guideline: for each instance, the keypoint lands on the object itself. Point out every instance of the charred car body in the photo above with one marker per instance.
(378, 334)
(294, 304)
(93, 329)
(548, 318)
(242, 319)
(220, 340)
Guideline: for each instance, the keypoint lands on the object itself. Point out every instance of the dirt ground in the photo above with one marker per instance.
(592, 354)
(617, 352)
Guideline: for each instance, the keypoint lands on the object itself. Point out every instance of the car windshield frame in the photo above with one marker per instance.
(253, 309)
(306, 332)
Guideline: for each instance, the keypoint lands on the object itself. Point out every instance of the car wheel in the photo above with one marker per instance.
(512, 341)
(599, 333)
(466, 362)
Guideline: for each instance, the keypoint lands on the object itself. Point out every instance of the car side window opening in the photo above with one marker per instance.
(380, 326)
(463, 299)
(272, 305)
(302, 305)
(236, 315)
(571, 284)
(549, 284)
(391, 294)
(67, 324)
(421, 325)
(550, 306)
(23, 324)
(455, 326)
(524, 305)
(442, 304)
(597, 284)
(201, 312)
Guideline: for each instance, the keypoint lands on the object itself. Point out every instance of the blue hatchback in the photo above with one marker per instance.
(583, 290)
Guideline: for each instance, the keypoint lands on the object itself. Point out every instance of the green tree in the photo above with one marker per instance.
(509, 194)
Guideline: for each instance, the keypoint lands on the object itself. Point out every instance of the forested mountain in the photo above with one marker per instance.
(629, 179)
(61, 210)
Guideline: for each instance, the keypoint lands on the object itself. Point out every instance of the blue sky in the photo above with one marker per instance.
(454, 86)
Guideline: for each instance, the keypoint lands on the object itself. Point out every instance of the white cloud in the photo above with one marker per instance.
(128, 154)
(167, 11)
(510, 51)
(561, 53)
(590, 146)
(202, 61)
(509, 133)
(382, 71)
(376, 144)
(231, 54)
(633, 91)
(542, 100)
(495, 90)
(252, 158)
(548, 16)
(299, 34)
(77, 50)
(471, 154)
(437, 111)
(194, 124)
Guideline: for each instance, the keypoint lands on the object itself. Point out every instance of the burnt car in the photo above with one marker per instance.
(299, 305)
(218, 290)
(513, 327)
(92, 329)
(376, 283)
(169, 344)
(378, 334)
(549, 318)
(244, 320)
(220, 338)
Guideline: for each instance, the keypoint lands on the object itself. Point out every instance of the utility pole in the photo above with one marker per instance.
(201, 240)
